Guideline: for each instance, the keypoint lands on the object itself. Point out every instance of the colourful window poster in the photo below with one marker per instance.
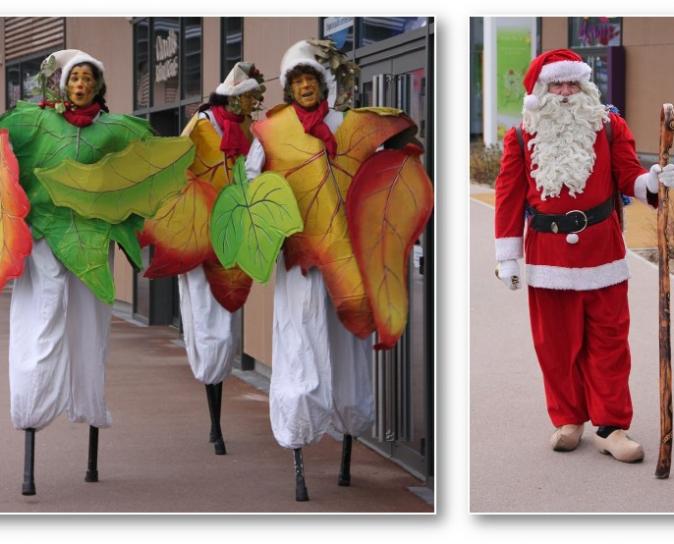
(513, 55)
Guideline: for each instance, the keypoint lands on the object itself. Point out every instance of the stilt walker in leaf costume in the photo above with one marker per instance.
(91, 178)
(344, 276)
(210, 295)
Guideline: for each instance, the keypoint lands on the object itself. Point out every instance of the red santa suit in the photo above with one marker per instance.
(577, 291)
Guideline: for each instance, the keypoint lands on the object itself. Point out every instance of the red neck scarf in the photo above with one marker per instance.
(313, 124)
(82, 117)
(234, 141)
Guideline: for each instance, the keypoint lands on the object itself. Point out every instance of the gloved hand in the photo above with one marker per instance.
(509, 273)
(657, 174)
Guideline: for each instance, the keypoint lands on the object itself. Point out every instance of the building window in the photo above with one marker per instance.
(27, 41)
(167, 57)
(591, 38)
(350, 33)
(192, 46)
(21, 81)
(166, 74)
(376, 29)
(341, 31)
(141, 62)
(595, 31)
(232, 43)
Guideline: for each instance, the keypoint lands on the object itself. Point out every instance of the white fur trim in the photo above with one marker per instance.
(509, 248)
(531, 102)
(290, 66)
(243, 87)
(565, 70)
(301, 52)
(641, 187)
(79, 58)
(577, 279)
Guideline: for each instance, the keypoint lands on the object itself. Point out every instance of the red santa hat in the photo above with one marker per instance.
(556, 65)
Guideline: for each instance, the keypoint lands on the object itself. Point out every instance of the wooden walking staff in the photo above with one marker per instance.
(665, 455)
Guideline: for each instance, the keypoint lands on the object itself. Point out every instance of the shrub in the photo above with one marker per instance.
(485, 162)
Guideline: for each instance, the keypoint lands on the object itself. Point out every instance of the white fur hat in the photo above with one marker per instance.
(66, 59)
(304, 52)
(238, 81)
(301, 53)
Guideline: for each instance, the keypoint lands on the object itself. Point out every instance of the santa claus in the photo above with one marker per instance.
(562, 173)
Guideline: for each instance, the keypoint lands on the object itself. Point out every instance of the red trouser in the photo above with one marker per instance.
(580, 338)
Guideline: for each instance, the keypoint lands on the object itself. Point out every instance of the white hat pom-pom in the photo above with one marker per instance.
(531, 102)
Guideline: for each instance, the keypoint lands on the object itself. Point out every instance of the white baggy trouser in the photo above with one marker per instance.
(212, 333)
(321, 373)
(57, 345)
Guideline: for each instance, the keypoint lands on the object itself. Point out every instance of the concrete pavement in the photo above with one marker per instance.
(156, 456)
(512, 468)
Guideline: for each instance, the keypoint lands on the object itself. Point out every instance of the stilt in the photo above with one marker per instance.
(92, 466)
(301, 494)
(214, 396)
(211, 408)
(345, 467)
(29, 464)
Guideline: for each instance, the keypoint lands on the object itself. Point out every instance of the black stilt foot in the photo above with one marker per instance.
(214, 396)
(345, 467)
(301, 494)
(28, 487)
(92, 465)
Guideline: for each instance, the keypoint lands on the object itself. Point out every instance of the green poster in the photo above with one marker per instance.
(513, 46)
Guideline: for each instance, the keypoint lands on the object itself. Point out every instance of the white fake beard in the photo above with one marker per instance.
(563, 146)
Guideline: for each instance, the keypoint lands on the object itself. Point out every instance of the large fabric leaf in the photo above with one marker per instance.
(320, 186)
(388, 205)
(135, 180)
(250, 221)
(15, 238)
(82, 245)
(230, 286)
(209, 161)
(180, 231)
(42, 138)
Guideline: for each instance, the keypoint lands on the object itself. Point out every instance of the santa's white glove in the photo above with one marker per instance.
(509, 273)
(657, 174)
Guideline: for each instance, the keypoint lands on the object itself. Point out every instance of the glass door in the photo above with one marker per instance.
(401, 375)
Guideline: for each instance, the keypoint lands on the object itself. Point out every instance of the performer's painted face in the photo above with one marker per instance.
(247, 102)
(564, 88)
(306, 90)
(81, 85)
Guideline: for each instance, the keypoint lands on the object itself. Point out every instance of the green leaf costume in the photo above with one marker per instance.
(43, 139)
(250, 221)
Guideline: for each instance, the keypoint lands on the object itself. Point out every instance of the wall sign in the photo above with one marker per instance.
(166, 56)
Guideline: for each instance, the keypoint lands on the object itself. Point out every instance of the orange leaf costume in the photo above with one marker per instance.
(320, 185)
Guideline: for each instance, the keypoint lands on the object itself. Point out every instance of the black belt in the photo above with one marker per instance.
(573, 221)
